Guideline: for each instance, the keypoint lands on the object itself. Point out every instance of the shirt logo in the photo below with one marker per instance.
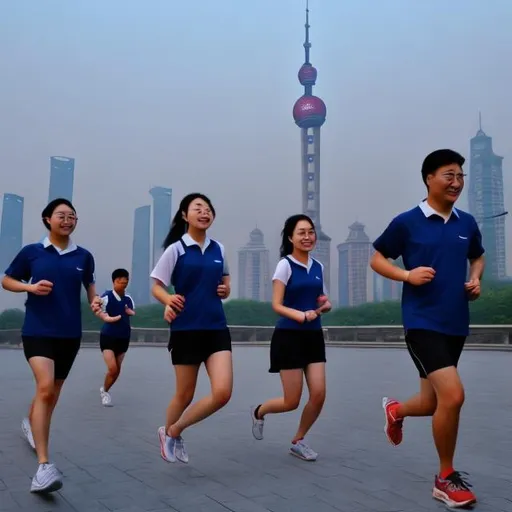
(317, 278)
(463, 237)
(217, 261)
(79, 269)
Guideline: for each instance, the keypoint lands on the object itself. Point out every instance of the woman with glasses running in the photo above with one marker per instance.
(297, 348)
(196, 267)
(52, 274)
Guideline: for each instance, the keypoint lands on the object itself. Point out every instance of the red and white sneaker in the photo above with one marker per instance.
(454, 490)
(393, 426)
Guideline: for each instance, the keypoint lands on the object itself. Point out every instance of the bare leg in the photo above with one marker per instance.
(113, 368)
(423, 403)
(315, 379)
(186, 380)
(292, 390)
(445, 423)
(220, 370)
(43, 404)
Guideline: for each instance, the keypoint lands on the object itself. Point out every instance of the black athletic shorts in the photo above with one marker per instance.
(117, 345)
(293, 349)
(432, 350)
(195, 347)
(62, 351)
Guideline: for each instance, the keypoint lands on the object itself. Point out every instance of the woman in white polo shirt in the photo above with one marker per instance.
(196, 267)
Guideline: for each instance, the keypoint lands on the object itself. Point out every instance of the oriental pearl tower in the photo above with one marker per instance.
(309, 113)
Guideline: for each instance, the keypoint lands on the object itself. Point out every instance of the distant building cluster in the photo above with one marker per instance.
(151, 222)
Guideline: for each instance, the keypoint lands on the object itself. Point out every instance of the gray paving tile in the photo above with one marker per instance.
(110, 457)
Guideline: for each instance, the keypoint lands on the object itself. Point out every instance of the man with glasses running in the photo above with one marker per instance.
(435, 241)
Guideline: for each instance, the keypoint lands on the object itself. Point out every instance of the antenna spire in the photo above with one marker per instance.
(307, 44)
(480, 120)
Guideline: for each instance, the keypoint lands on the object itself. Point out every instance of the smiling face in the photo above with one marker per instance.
(446, 184)
(62, 221)
(120, 284)
(304, 236)
(199, 215)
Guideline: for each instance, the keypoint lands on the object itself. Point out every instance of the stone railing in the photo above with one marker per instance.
(391, 335)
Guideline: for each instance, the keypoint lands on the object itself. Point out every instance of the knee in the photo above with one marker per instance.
(185, 397)
(317, 398)
(452, 398)
(114, 371)
(291, 403)
(221, 396)
(46, 391)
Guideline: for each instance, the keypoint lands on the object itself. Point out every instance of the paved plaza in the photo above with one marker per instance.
(111, 459)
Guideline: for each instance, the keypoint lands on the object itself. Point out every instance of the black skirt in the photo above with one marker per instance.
(292, 349)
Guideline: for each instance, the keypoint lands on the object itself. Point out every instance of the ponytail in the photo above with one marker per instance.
(179, 225)
(177, 230)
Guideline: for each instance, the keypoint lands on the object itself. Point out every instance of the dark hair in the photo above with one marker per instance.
(289, 227)
(178, 225)
(440, 158)
(51, 207)
(120, 272)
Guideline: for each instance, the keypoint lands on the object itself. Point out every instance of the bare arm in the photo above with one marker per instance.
(278, 288)
(160, 293)
(91, 293)
(476, 268)
(13, 285)
(385, 268)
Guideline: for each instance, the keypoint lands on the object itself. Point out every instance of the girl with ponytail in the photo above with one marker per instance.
(196, 267)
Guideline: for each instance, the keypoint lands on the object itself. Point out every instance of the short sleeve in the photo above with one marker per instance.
(476, 248)
(20, 267)
(283, 271)
(104, 302)
(131, 303)
(88, 277)
(165, 265)
(225, 271)
(391, 244)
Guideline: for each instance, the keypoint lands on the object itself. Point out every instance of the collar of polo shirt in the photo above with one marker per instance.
(70, 248)
(428, 211)
(188, 241)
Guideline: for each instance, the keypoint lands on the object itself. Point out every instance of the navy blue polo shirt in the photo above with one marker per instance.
(57, 315)
(195, 272)
(303, 285)
(114, 305)
(423, 238)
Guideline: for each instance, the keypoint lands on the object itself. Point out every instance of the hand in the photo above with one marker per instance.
(310, 316)
(129, 311)
(42, 287)
(107, 318)
(96, 304)
(473, 288)
(176, 302)
(169, 314)
(324, 303)
(223, 291)
(420, 275)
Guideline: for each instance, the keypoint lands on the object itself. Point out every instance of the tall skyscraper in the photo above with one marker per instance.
(62, 177)
(485, 197)
(354, 260)
(253, 269)
(11, 230)
(141, 250)
(309, 113)
(162, 214)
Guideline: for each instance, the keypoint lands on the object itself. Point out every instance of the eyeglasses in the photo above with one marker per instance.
(68, 218)
(450, 176)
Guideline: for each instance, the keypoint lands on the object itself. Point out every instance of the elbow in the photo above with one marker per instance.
(374, 260)
(5, 283)
(276, 307)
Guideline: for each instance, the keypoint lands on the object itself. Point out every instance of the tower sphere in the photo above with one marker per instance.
(307, 74)
(309, 112)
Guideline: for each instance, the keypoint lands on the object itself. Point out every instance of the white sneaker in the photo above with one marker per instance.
(47, 479)
(167, 446)
(106, 399)
(27, 432)
(257, 426)
(301, 450)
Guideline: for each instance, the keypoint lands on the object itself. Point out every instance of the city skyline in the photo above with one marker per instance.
(223, 127)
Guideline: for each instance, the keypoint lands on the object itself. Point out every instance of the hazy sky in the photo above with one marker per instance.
(197, 95)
